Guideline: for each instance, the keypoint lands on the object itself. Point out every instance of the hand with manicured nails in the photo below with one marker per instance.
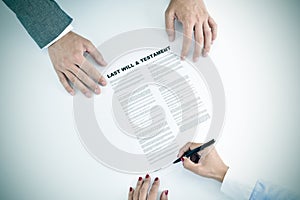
(142, 187)
(210, 165)
(195, 20)
(68, 60)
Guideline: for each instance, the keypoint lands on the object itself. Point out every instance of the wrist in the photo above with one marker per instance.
(220, 174)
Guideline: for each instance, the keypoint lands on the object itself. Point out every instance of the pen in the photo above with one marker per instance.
(191, 152)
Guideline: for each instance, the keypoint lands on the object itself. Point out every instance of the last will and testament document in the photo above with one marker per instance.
(153, 103)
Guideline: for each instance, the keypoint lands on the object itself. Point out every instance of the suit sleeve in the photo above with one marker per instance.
(44, 20)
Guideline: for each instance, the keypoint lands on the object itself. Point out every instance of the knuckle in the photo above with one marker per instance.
(206, 49)
(94, 85)
(167, 13)
(90, 45)
(80, 75)
(207, 31)
(91, 70)
(68, 88)
(198, 17)
(83, 90)
(200, 39)
(75, 70)
(87, 41)
(188, 20)
(78, 57)
(64, 61)
(143, 190)
(72, 79)
(61, 78)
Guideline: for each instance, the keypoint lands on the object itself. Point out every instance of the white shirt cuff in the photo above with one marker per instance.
(236, 186)
(67, 30)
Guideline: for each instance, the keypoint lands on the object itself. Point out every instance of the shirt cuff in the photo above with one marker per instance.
(236, 186)
(67, 30)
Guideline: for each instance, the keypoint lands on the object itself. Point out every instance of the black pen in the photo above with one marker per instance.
(191, 152)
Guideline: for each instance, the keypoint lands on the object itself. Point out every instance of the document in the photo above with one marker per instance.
(153, 104)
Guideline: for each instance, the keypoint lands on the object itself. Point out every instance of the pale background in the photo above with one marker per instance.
(256, 53)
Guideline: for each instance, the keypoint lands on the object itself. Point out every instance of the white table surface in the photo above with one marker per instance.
(256, 53)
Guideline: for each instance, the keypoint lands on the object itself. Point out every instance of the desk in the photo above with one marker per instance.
(256, 53)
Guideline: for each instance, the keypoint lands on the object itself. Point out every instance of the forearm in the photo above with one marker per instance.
(44, 20)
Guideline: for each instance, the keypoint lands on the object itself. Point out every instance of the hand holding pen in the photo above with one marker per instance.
(193, 154)
(210, 165)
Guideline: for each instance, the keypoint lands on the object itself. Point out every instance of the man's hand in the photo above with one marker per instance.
(195, 19)
(145, 191)
(210, 165)
(66, 55)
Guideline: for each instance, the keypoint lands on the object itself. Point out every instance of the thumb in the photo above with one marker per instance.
(164, 195)
(188, 164)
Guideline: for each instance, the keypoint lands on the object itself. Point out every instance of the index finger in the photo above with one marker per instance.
(187, 39)
(214, 27)
(183, 149)
(186, 147)
(93, 51)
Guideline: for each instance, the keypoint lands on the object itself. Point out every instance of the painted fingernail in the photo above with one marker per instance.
(182, 159)
(156, 179)
(140, 178)
(147, 176)
(166, 192)
(130, 189)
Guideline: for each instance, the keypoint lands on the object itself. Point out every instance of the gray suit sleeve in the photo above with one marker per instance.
(44, 20)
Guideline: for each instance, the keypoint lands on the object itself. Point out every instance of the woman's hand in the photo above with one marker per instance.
(142, 187)
(210, 165)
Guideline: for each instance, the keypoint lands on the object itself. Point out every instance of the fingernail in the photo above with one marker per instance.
(140, 178)
(182, 57)
(130, 189)
(72, 93)
(205, 54)
(182, 159)
(103, 81)
(156, 179)
(166, 192)
(171, 38)
(97, 91)
(196, 59)
(88, 94)
(147, 176)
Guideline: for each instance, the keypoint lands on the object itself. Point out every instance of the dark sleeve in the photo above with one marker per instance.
(44, 20)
